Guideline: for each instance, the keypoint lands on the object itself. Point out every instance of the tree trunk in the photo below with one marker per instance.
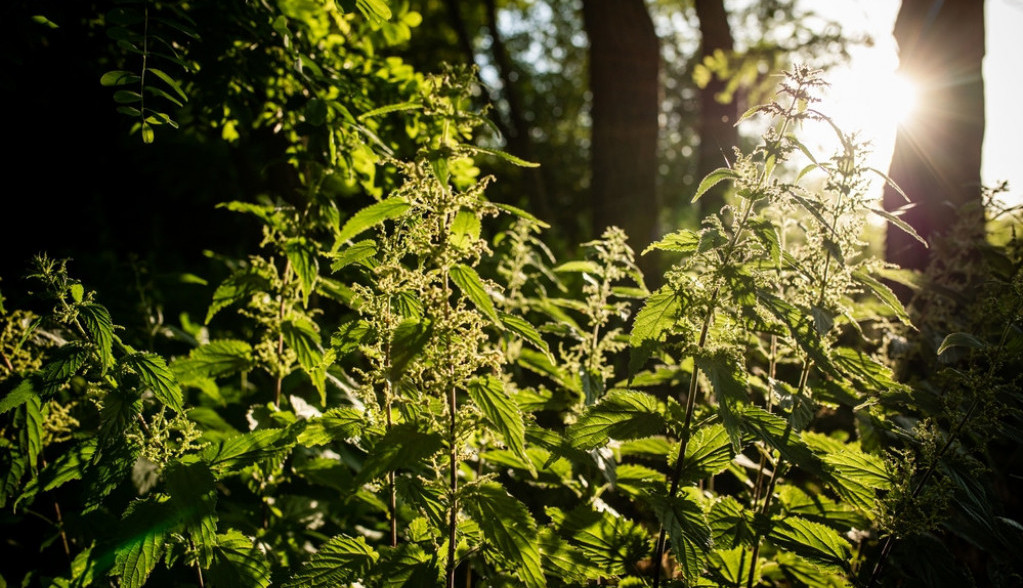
(938, 152)
(624, 68)
(717, 131)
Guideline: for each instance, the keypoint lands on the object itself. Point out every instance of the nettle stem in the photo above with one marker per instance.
(690, 400)
(452, 444)
(278, 384)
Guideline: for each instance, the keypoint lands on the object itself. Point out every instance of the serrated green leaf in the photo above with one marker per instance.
(812, 540)
(465, 229)
(506, 156)
(686, 524)
(302, 337)
(708, 452)
(712, 179)
(350, 335)
(514, 210)
(728, 381)
(399, 107)
(524, 329)
(357, 252)
(65, 363)
(898, 222)
(372, 216)
(855, 476)
(778, 433)
(658, 317)
(303, 261)
(100, 327)
(469, 282)
(767, 234)
(507, 525)
(236, 288)
(337, 424)
(403, 445)
(237, 562)
(611, 544)
(242, 450)
(153, 372)
(216, 359)
(144, 530)
(340, 560)
(683, 241)
(729, 523)
(883, 293)
(621, 414)
(489, 395)
(18, 396)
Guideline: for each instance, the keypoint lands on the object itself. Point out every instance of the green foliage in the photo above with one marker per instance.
(404, 387)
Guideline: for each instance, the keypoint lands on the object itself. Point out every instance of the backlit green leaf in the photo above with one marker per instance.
(303, 261)
(402, 446)
(153, 372)
(100, 327)
(508, 526)
(469, 282)
(489, 395)
(371, 216)
(621, 414)
(340, 560)
(712, 179)
(357, 252)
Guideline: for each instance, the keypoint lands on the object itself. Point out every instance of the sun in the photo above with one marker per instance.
(901, 96)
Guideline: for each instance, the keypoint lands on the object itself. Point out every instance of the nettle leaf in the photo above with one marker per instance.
(472, 287)
(216, 359)
(777, 432)
(351, 335)
(302, 257)
(507, 526)
(898, 222)
(855, 476)
(69, 465)
(357, 252)
(727, 379)
(18, 396)
(516, 211)
(814, 541)
(193, 498)
(302, 337)
(371, 216)
(883, 293)
(340, 560)
(410, 338)
(688, 530)
(683, 241)
(465, 229)
(65, 363)
(501, 411)
(237, 562)
(335, 424)
(659, 314)
(143, 533)
(237, 287)
(965, 340)
(712, 179)
(708, 452)
(729, 523)
(864, 369)
(524, 329)
(579, 266)
(153, 372)
(622, 414)
(610, 543)
(245, 449)
(30, 434)
(100, 327)
(111, 465)
(403, 445)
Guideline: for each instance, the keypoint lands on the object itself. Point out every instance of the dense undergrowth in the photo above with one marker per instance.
(418, 393)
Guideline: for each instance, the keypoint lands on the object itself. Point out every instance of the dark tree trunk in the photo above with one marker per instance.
(717, 131)
(938, 153)
(624, 68)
